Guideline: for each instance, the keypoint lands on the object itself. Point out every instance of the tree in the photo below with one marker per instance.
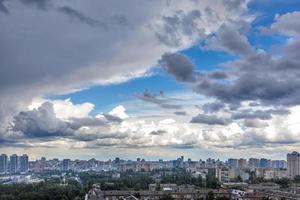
(167, 197)
(210, 195)
(157, 187)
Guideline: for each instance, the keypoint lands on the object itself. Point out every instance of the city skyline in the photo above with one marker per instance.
(156, 159)
(150, 79)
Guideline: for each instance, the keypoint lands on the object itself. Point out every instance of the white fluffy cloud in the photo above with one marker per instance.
(65, 109)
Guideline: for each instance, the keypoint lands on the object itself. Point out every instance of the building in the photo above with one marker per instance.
(233, 162)
(278, 164)
(264, 163)
(223, 174)
(242, 163)
(3, 164)
(66, 164)
(14, 164)
(24, 167)
(293, 164)
(253, 162)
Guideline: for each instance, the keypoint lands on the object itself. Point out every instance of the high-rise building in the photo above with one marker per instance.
(253, 162)
(233, 162)
(66, 164)
(293, 164)
(264, 163)
(3, 163)
(24, 167)
(14, 166)
(278, 164)
(242, 163)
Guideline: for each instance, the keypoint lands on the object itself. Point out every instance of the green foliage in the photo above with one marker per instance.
(284, 182)
(41, 191)
(181, 177)
(297, 179)
(167, 197)
(210, 195)
(212, 182)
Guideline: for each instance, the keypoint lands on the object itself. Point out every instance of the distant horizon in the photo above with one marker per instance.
(134, 159)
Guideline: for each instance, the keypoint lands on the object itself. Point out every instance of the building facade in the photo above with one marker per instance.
(24, 167)
(3, 163)
(66, 164)
(14, 164)
(293, 164)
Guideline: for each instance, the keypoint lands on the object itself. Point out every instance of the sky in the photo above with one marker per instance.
(150, 79)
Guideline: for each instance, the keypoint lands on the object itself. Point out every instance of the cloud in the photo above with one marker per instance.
(234, 4)
(41, 122)
(228, 39)
(65, 109)
(3, 8)
(287, 24)
(180, 113)
(158, 99)
(75, 14)
(178, 26)
(41, 4)
(254, 123)
(119, 112)
(258, 78)
(212, 107)
(218, 75)
(210, 120)
(258, 114)
(179, 66)
(158, 132)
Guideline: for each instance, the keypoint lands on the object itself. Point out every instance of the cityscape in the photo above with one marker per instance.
(150, 99)
(253, 178)
(223, 170)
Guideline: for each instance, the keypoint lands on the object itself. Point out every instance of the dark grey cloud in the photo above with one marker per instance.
(3, 8)
(183, 146)
(213, 107)
(112, 118)
(254, 104)
(218, 75)
(179, 66)
(255, 138)
(180, 113)
(88, 137)
(77, 123)
(230, 40)
(121, 20)
(41, 122)
(233, 4)
(177, 26)
(158, 132)
(210, 120)
(258, 114)
(41, 4)
(259, 77)
(158, 99)
(77, 15)
(254, 123)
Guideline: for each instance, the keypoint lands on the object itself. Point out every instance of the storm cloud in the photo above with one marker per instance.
(210, 120)
(179, 66)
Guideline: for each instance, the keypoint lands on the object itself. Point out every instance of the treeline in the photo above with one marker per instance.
(50, 190)
(68, 188)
